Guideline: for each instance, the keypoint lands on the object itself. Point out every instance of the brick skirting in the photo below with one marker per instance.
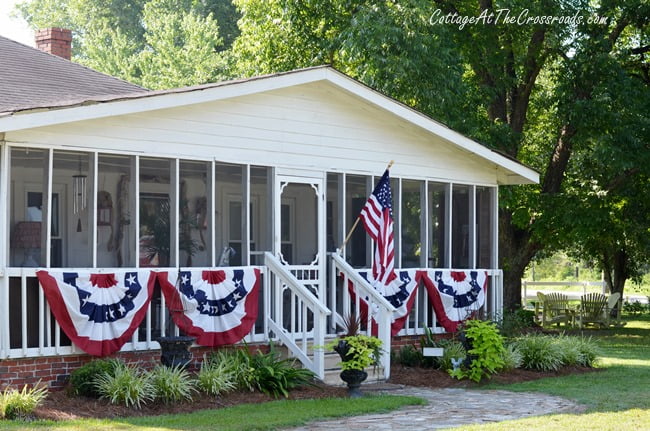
(54, 371)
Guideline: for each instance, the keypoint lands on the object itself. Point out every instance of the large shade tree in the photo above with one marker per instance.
(540, 81)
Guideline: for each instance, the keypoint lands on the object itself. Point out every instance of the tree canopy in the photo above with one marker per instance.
(560, 84)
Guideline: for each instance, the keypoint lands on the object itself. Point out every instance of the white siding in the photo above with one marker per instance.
(315, 126)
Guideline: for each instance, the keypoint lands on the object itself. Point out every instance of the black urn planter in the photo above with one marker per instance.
(175, 351)
(353, 378)
(467, 345)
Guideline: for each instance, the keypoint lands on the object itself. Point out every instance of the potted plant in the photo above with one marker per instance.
(357, 352)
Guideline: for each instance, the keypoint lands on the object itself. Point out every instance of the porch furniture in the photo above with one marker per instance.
(555, 309)
(593, 310)
(614, 302)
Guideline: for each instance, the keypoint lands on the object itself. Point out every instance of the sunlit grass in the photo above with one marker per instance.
(266, 416)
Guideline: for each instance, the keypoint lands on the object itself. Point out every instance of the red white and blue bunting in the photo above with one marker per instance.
(455, 295)
(400, 292)
(98, 312)
(218, 307)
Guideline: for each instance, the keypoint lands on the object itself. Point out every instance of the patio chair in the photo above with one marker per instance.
(614, 302)
(555, 309)
(593, 310)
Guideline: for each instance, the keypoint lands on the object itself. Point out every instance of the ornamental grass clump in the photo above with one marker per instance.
(512, 357)
(540, 352)
(127, 385)
(216, 377)
(16, 404)
(172, 384)
(589, 351)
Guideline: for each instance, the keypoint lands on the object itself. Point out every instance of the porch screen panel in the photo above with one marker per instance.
(229, 217)
(460, 251)
(71, 230)
(437, 220)
(116, 202)
(195, 223)
(411, 223)
(261, 214)
(27, 199)
(356, 193)
(484, 222)
(334, 231)
(157, 211)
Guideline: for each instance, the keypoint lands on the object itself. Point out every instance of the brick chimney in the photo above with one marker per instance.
(56, 41)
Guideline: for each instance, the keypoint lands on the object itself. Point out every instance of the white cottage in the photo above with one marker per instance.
(269, 172)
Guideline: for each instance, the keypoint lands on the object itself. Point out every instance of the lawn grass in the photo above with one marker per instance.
(267, 416)
(617, 398)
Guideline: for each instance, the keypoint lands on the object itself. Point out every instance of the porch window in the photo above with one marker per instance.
(116, 202)
(485, 212)
(358, 247)
(195, 224)
(157, 214)
(72, 212)
(460, 228)
(28, 208)
(261, 237)
(412, 214)
(438, 225)
(229, 198)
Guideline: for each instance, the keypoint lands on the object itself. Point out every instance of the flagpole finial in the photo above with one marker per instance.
(390, 164)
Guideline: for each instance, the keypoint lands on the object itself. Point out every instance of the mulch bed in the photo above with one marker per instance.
(60, 405)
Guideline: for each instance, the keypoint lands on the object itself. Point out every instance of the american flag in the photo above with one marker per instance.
(377, 217)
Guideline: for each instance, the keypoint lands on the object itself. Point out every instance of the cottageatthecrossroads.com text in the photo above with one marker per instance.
(506, 16)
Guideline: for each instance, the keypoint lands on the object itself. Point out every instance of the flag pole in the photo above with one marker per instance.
(356, 222)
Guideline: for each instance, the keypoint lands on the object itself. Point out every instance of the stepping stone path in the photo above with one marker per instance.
(450, 407)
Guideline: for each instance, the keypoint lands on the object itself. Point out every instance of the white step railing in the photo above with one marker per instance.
(304, 321)
(381, 310)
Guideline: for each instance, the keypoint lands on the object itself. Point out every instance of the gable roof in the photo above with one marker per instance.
(31, 78)
(85, 108)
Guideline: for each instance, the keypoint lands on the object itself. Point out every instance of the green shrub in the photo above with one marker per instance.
(127, 385)
(515, 323)
(408, 356)
(216, 377)
(540, 352)
(16, 404)
(588, 349)
(486, 353)
(172, 384)
(512, 357)
(82, 380)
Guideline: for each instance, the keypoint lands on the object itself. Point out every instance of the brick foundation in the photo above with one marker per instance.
(54, 371)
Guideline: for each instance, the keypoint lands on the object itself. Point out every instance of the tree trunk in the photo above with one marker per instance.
(516, 249)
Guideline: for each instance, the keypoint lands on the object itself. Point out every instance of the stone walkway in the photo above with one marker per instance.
(451, 407)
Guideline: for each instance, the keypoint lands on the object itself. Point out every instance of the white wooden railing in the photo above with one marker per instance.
(305, 320)
(381, 311)
(546, 286)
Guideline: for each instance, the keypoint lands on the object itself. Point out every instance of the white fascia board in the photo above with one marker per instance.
(91, 109)
(530, 176)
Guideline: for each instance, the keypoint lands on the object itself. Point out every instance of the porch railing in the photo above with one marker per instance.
(305, 320)
(381, 310)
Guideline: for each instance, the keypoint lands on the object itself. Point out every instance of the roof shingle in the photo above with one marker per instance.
(30, 78)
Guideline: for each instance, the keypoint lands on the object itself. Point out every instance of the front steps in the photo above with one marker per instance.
(333, 368)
